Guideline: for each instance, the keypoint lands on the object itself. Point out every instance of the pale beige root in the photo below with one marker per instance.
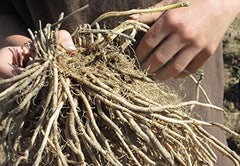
(97, 107)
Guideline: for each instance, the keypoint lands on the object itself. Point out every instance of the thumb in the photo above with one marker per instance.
(148, 18)
(65, 40)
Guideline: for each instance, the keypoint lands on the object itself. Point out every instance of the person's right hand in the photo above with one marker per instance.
(182, 40)
(14, 58)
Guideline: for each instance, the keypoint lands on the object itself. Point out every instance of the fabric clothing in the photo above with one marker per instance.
(48, 11)
(7, 7)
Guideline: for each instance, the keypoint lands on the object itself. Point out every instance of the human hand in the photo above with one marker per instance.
(14, 58)
(183, 39)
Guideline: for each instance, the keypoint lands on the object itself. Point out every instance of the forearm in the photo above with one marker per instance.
(12, 31)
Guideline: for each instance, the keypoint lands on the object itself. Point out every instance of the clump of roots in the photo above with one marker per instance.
(97, 107)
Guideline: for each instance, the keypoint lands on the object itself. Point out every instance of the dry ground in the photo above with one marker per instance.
(231, 45)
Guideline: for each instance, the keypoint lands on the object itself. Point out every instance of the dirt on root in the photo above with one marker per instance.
(231, 45)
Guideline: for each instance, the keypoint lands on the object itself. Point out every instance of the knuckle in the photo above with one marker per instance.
(174, 21)
(170, 21)
(187, 35)
(148, 43)
(185, 31)
(198, 44)
(209, 51)
(159, 59)
(177, 69)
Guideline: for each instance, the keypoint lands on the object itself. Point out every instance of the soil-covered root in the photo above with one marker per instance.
(95, 106)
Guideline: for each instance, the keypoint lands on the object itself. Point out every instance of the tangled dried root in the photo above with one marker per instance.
(97, 107)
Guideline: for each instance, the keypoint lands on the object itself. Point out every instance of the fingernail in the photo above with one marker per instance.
(69, 46)
(135, 16)
(26, 51)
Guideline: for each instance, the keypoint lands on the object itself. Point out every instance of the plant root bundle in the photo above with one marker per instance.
(97, 107)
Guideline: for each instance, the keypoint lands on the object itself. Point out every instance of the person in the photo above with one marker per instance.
(179, 40)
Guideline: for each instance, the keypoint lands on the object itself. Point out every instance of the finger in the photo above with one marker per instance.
(25, 51)
(23, 54)
(157, 33)
(163, 53)
(65, 40)
(178, 63)
(20, 55)
(7, 70)
(12, 58)
(12, 55)
(148, 18)
(196, 63)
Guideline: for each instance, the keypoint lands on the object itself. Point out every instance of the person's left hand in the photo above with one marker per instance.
(183, 39)
(14, 58)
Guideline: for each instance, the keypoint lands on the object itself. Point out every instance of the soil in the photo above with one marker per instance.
(231, 45)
